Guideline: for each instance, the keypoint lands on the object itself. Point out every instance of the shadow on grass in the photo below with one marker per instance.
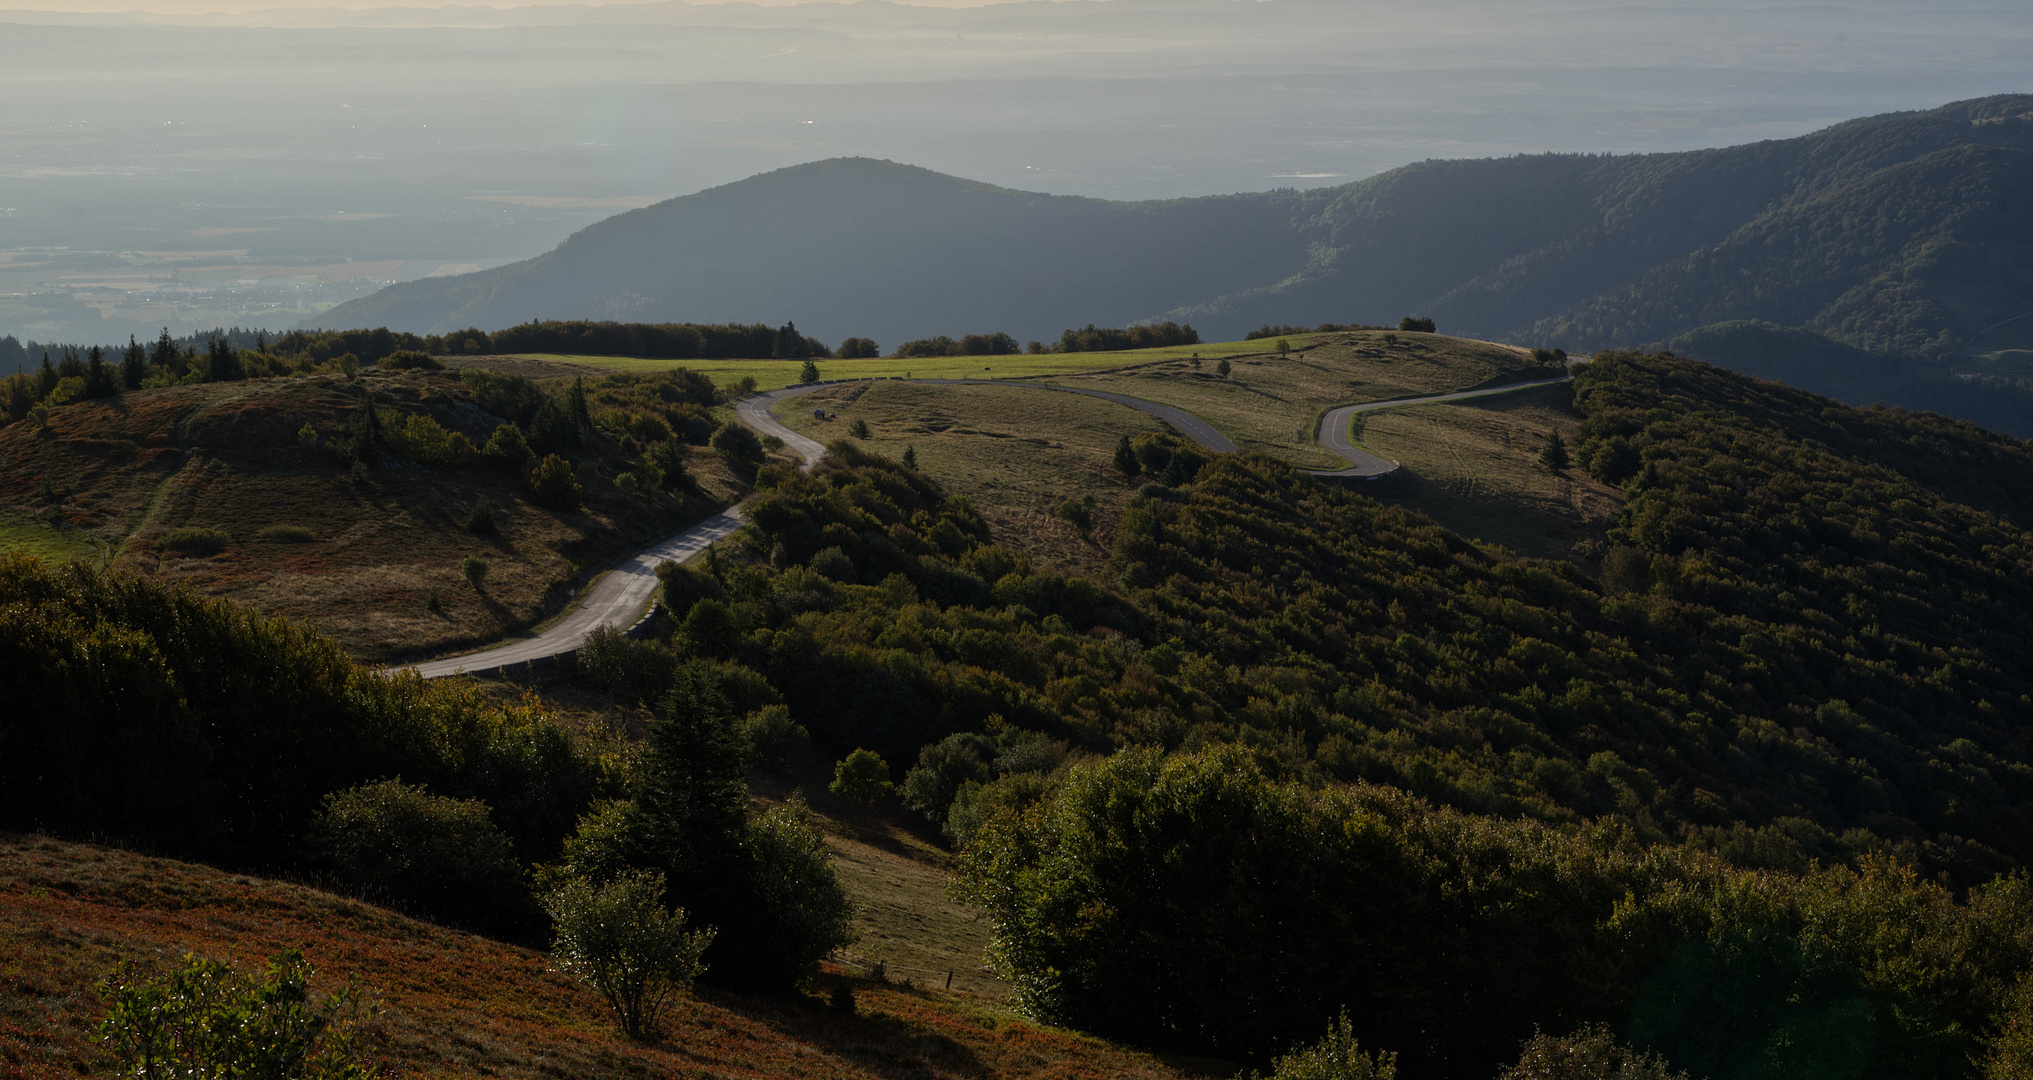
(888, 1045)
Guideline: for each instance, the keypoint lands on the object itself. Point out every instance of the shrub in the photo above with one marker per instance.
(1589, 1054)
(774, 739)
(204, 1020)
(799, 913)
(835, 564)
(737, 444)
(1554, 454)
(481, 521)
(1222, 368)
(1078, 513)
(508, 451)
(429, 442)
(474, 569)
(195, 541)
(858, 429)
(942, 769)
(1338, 1056)
(410, 360)
(862, 776)
(619, 939)
(555, 485)
(684, 586)
(439, 857)
(975, 804)
(288, 534)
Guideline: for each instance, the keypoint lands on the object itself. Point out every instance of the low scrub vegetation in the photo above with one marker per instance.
(195, 541)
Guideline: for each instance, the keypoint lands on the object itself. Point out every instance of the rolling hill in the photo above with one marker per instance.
(1905, 236)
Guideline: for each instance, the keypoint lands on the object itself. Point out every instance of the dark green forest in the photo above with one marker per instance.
(1754, 796)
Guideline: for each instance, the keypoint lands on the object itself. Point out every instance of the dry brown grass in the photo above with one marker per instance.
(1474, 467)
(1272, 404)
(114, 476)
(1016, 452)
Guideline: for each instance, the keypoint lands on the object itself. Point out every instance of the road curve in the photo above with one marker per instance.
(618, 599)
(1367, 466)
(755, 411)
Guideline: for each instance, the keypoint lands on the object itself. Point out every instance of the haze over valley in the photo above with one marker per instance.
(191, 170)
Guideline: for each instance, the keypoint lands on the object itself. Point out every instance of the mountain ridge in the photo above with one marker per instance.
(1899, 234)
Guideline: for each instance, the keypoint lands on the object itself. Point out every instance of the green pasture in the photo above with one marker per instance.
(772, 374)
(55, 545)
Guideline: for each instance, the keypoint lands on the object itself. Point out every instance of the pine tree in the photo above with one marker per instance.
(791, 345)
(809, 373)
(910, 457)
(692, 800)
(1126, 457)
(582, 416)
(1554, 456)
(99, 380)
(165, 354)
(133, 364)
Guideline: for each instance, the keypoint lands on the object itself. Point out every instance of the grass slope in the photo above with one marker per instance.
(774, 374)
(1272, 404)
(1017, 452)
(1474, 467)
(111, 478)
(454, 1004)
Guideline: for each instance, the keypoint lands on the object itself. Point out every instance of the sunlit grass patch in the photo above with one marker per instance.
(774, 374)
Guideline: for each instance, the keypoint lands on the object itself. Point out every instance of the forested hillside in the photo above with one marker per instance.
(1755, 796)
(1904, 236)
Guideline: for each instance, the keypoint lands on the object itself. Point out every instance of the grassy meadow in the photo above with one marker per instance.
(1272, 404)
(1474, 467)
(774, 374)
(1016, 452)
(357, 558)
(455, 1004)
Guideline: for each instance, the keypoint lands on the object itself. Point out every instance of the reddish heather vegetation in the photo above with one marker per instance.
(452, 1004)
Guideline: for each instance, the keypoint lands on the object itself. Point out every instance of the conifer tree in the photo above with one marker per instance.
(133, 364)
(165, 354)
(582, 416)
(1126, 457)
(99, 380)
(1554, 456)
(692, 801)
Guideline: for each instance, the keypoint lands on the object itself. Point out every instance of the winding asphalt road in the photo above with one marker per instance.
(621, 596)
(618, 599)
(1335, 425)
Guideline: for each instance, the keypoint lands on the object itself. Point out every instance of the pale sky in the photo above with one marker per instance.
(238, 7)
